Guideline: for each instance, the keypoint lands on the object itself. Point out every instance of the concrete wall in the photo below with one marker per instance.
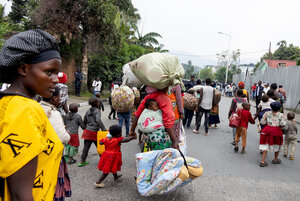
(288, 77)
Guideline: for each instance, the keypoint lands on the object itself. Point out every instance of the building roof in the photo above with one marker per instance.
(279, 63)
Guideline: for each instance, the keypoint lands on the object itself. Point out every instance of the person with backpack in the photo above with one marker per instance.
(236, 103)
(282, 96)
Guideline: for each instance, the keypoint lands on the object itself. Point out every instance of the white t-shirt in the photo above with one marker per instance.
(97, 85)
(265, 105)
(208, 93)
(4, 86)
(266, 89)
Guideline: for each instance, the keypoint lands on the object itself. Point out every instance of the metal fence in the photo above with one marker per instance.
(288, 77)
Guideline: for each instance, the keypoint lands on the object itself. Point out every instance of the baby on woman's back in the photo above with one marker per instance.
(151, 118)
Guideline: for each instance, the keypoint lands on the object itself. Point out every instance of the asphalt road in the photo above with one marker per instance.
(227, 175)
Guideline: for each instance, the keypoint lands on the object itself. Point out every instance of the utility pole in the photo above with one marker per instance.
(269, 56)
(228, 61)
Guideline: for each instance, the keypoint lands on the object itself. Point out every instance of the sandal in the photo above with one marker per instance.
(101, 185)
(291, 157)
(236, 149)
(72, 161)
(263, 164)
(278, 161)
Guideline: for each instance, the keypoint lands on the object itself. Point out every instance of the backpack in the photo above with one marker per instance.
(238, 105)
(281, 97)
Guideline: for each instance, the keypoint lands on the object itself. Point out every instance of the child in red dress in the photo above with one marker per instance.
(111, 159)
(271, 135)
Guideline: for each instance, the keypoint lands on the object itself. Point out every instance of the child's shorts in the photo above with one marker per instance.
(71, 150)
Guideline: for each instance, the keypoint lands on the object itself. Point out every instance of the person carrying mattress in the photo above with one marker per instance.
(168, 118)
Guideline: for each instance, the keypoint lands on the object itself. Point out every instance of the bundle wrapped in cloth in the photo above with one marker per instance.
(122, 99)
(190, 102)
(158, 70)
(217, 96)
(163, 171)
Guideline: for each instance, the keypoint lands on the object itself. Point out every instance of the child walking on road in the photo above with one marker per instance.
(92, 121)
(271, 135)
(241, 131)
(290, 139)
(111, 159)
(72, 122)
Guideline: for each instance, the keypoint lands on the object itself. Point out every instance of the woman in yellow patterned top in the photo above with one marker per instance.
(30, 150)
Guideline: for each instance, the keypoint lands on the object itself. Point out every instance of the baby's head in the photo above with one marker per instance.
(97, 95)
(73, 107)
(290, 116)
(198, 91)
(265, 98)
(94, 102)
(246, 106)
(151, 104)
(275, 106)
(115, 130)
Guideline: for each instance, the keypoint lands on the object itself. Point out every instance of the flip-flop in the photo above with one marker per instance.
(101, 185)
(276, 162)
(263, 164)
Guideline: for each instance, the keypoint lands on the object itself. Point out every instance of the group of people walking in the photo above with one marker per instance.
(271, 120)
(34, 135)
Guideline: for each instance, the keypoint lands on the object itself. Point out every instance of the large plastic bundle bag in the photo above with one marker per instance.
(122, 99)
(182, 141)
(129, 78)
(162, 171)
(158, 70)
(190, 102)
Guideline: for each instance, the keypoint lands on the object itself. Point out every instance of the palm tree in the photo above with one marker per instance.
(147, 40)
(159, 48)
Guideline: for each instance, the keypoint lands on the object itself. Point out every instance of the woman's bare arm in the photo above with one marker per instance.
(20, 184)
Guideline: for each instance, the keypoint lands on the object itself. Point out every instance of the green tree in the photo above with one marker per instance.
(21, 13)
(230, 60)
(5, 27)
(147, 40)
(283, 52)
(220, 74)
(189, 69)
(100, 25)
(206, 73)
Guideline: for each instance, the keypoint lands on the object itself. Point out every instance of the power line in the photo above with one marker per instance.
(195, 55)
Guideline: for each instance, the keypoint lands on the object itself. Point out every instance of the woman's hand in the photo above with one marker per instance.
(181, 115)
(132, 133)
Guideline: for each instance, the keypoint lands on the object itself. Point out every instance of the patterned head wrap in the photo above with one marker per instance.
(32, 46)
(241, 84)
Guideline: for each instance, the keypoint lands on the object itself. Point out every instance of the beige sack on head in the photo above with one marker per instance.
(158, 70)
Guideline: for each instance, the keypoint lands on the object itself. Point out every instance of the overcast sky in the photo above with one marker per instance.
(190, 28)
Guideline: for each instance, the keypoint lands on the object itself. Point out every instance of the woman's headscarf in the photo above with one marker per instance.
(241, 85)
(32, 46)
